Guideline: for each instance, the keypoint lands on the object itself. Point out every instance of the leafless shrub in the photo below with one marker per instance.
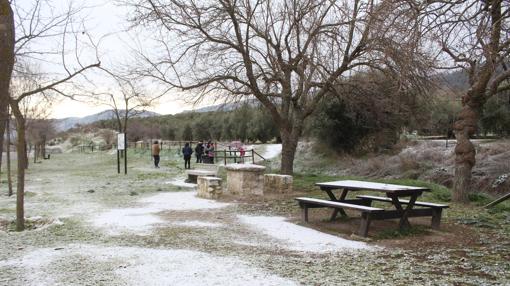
(408, 163)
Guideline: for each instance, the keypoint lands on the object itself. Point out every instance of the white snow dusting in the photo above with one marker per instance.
(142, 220)
(272, 150)
(141, 266)
(197, 223)
(298, 238)
(180, 182)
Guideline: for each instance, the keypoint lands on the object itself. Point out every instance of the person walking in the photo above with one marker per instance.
(187, 151)
(199, 151)
(155, 153)
(242, 152)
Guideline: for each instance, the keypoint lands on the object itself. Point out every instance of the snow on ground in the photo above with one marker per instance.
(197, 223)
(137, 266)
(138, 220)
(181, 201)
(295, 237)
(272, 150)
(180, 182)
(142, 220)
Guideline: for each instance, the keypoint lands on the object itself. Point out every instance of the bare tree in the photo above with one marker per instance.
(34, 25)
(131, 99)
(475, 38)
(6, 64)
(288, 54)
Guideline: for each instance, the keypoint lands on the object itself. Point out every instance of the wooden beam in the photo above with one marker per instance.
(503, 198)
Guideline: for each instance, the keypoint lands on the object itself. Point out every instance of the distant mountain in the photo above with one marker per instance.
(224, 107)
(70, 122)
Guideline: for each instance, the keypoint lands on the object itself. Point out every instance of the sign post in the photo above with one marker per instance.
(121, 146)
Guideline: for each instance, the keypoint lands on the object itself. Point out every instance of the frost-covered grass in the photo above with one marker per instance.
(92, 226)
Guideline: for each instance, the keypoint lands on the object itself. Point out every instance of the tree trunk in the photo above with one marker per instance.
(464, 128)
(8, 143)
(3, 121)
(6, 63)
(21, 152)
(43, 147)
(290, 141)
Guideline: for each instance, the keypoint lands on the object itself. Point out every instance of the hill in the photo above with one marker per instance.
(70, 122)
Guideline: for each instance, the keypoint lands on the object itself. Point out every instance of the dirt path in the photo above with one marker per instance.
(95, 227)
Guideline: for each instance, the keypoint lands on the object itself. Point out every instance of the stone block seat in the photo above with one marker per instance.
(209, 187)
(201, 170)
(278, 184)
(245, 179)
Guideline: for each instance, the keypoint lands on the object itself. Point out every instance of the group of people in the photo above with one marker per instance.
(204, 153)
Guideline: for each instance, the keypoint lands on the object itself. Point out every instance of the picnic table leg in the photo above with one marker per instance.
(305, 213)
(365, 223)
(436, 217)
(404, 221)
(333, 198)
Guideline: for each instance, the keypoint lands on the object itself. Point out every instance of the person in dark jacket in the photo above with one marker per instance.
(187, 151)
(199, 151)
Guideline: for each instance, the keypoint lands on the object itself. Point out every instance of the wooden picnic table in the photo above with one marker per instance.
(394, 192)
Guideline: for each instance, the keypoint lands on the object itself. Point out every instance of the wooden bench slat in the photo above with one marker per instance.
(383, 199)
(337, 204)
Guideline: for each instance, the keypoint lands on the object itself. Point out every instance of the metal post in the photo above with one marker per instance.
(253, 156)
(125, 153)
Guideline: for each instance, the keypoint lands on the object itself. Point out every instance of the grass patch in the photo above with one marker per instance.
(149, 176)
(306, 182)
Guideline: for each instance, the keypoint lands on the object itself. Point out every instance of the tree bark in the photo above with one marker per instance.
(21, 152)
(6, 63)
(464, 128)
(8, 153)
(3, 121)
(290, 139)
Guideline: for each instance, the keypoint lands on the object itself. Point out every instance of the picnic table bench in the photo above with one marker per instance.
(403, 208)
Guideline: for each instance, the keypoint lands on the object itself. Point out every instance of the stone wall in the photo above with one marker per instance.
(209, 187)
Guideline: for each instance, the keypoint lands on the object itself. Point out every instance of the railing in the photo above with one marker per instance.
(234, 156)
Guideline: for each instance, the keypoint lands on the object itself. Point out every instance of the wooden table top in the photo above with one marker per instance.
(362, 185)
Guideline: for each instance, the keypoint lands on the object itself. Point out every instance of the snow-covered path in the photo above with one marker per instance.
(142, 229)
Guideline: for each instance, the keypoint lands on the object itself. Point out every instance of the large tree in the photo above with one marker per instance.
(288, 54)
(6, 64)
(474, 36)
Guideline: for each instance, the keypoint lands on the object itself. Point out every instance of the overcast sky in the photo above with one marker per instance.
(106, 18)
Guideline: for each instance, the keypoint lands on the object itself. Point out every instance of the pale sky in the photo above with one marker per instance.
(104, 19)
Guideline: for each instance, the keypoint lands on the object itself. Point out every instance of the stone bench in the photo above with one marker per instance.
(275, 183)
(194, 174)
(209, 187)
(245, 179)
(205, 170)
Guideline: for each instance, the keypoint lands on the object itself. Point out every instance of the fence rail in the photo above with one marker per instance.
(234, 156)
